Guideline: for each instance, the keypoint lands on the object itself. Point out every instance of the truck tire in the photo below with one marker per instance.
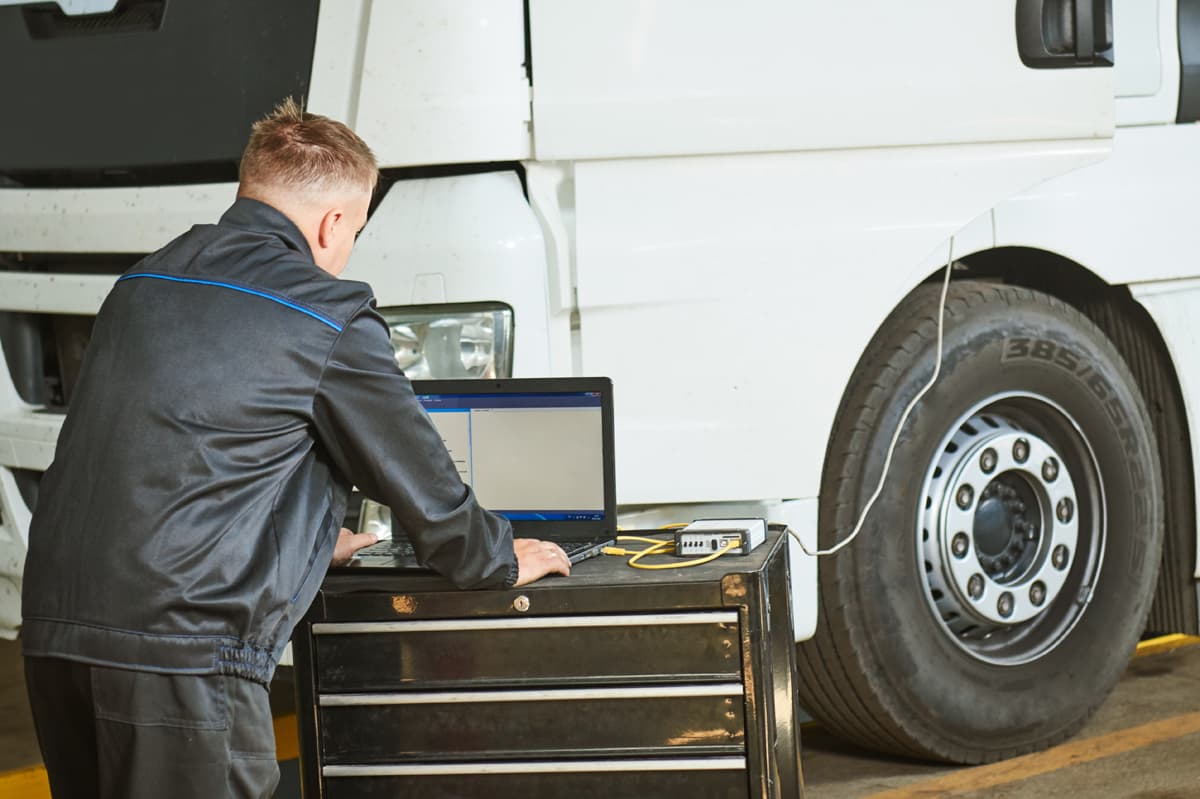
(1001, 581)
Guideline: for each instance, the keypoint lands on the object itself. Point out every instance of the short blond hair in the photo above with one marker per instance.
(292, 150)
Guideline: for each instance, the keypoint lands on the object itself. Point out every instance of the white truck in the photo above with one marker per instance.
(742, 214)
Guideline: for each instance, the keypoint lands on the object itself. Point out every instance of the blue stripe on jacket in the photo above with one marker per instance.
(255, 292)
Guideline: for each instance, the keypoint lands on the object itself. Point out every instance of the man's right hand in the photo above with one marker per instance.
(536, 559)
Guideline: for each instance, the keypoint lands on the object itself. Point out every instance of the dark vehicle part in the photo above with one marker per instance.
(1052, 34)
(1003, 578)
(155, 85)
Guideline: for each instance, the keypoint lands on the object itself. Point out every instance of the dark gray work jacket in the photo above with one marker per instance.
(231, 393)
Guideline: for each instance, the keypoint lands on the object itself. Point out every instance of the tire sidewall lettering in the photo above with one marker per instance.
(1083, 369)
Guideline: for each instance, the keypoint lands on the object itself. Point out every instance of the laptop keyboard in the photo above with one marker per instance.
(574, 547)
(393, 547)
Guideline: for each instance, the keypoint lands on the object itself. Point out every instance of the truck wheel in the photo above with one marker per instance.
(1001, 581)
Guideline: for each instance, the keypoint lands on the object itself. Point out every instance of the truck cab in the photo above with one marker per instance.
(741, 216)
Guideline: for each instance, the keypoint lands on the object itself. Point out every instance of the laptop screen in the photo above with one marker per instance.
(537, 451)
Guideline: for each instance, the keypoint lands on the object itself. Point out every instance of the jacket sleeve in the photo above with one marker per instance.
(379, 436)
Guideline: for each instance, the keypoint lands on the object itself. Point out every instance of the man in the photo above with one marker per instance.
(233, 391)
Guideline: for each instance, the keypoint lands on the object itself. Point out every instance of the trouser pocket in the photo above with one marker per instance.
(183, 736)
(141, 698)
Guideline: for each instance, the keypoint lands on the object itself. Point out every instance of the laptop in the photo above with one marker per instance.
(538, 451)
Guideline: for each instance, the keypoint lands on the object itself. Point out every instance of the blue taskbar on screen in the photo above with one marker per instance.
(550, 515)
(467, 402)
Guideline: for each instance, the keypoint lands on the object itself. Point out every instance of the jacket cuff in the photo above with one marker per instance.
(513, 574)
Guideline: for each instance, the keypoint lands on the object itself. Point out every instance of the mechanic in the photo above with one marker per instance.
(233, 391)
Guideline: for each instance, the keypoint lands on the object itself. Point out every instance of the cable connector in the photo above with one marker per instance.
(706, 536)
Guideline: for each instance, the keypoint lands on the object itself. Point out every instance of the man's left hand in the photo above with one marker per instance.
(348, 543)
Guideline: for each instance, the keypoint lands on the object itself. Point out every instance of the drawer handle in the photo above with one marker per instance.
(564, 766)
(548, 695)
(533, 622)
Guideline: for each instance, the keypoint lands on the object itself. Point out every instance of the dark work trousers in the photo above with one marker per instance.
(116, 734)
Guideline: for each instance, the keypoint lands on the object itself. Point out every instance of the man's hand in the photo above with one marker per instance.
(536, 559)
(348, 543)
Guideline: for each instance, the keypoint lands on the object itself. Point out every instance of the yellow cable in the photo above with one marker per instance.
(682, 564)
(642, 540)
(659, 546)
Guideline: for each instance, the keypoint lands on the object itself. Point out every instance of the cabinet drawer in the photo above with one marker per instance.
(716, 778)
(547, 650)
(647, 721)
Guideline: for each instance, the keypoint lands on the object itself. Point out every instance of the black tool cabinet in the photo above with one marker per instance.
(614, 682)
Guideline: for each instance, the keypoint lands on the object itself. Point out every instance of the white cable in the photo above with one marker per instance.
(887, 462)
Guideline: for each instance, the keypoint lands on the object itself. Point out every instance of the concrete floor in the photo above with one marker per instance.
(1144, 743)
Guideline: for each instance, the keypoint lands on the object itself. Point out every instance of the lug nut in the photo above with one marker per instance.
(964, 496)
(1050, 470)
(975, 586)
(1005, 604)
(959, 545)
(1065, 510)
(1059, 557)
(987, 461)
(1020, 450)
(1037, 593)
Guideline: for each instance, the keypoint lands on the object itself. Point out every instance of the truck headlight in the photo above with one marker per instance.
(452, 340)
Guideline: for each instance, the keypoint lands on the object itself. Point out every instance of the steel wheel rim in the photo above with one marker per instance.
(1011, 528)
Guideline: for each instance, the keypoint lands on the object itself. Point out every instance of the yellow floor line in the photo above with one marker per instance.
(25, 783)
(1059, 757)
(1165, 643)
(287, 744)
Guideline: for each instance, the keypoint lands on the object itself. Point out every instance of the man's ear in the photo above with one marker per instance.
(329, 228)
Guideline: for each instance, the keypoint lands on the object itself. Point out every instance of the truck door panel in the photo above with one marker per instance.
(625, 78)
